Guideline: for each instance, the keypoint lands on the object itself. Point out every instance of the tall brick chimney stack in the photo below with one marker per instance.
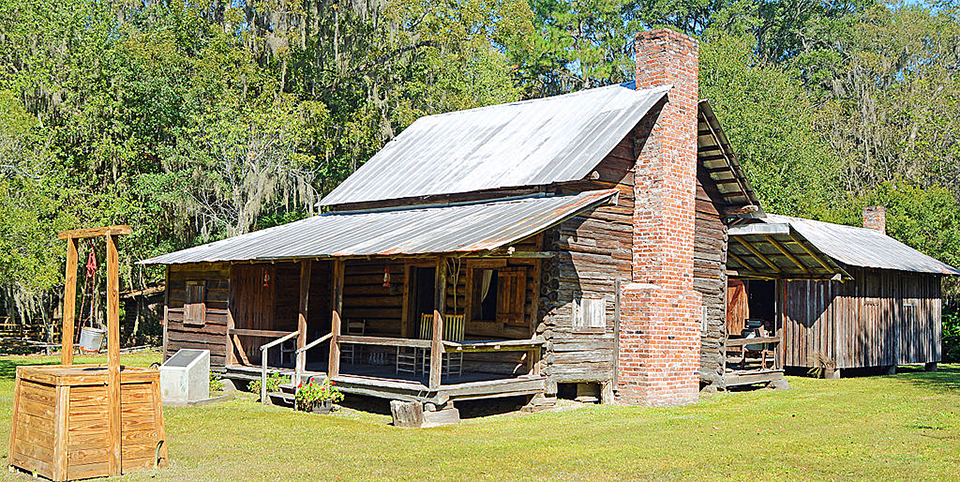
(875, 217)
(660, 310)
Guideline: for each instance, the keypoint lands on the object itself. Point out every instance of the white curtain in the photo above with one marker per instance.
(485, 283)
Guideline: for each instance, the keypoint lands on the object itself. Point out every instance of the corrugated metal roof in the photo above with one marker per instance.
(863, 247)
(778, 251)
(462, 228)
(530, 143)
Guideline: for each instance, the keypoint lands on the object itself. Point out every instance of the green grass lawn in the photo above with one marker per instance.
(905, 426)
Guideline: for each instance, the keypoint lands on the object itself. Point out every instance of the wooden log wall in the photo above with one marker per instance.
(365, 297)
(212, 335)
(710, 277)
(594, 250)
(880, 318)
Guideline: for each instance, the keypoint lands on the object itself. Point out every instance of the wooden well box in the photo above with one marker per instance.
(62, 426)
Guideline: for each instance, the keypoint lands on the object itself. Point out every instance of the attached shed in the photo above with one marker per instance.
(840, 297)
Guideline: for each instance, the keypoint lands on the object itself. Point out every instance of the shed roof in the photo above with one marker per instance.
(530, 143)
(461, 228)
(866, 248)
(776, 250)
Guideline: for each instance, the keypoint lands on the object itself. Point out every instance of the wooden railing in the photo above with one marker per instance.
(264, 351)
(301, 354)
(739, 344)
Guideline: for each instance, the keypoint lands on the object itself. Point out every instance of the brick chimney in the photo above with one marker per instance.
(875, 217)
(660, 310)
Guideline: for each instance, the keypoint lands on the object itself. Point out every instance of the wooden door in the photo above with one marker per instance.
(252, 300)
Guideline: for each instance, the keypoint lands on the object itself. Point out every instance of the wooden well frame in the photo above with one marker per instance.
(79, 421)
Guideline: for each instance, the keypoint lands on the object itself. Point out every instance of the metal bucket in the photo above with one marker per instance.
(91, 339)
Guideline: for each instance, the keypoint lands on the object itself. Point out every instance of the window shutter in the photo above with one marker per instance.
(511, 295)
(195, 307)
(589, 314)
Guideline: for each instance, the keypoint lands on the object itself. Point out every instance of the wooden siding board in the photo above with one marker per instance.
(211, 335)
(863, 322)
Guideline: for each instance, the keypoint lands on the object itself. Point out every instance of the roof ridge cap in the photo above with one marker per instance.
(543, 99)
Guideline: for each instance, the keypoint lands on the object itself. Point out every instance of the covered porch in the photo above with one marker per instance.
(761, 257)
(427, 329)
(426, 303)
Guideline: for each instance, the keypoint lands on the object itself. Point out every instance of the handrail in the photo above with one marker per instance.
(315, 343)
(258, 333)
(734, 342)
(495, 345)
(384, 341)
(263, 362)
(300, 353)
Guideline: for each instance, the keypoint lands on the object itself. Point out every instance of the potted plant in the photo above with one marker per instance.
(317, 397)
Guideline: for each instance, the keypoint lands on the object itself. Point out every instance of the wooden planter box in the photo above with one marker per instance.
(61, 426)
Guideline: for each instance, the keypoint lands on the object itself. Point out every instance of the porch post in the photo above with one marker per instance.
(231, 358)
(439, 303)
(333, 367)
(305, 271)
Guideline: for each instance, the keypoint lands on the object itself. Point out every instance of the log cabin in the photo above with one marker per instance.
(573, 244)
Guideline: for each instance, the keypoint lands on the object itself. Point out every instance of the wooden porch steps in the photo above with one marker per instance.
(281, 399)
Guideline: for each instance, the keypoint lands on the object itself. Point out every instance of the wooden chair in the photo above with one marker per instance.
(754, 349)
(408, 358)
(288, 351)
(453, 330)
(350, 351)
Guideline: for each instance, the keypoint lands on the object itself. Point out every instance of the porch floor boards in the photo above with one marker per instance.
(382, 381)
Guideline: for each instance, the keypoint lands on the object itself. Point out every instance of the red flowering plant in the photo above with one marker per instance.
(312, 394)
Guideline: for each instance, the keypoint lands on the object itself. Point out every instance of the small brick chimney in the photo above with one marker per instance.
(875, 217)
(659, 355)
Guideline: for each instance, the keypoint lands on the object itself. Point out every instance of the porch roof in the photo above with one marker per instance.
(465, 228)
(786, 247)
(867, 248)
(779, 251)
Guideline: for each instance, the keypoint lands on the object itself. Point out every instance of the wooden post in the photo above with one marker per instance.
(12, 447)
(113, 353)
(405, 313)
(439, 303)
(305, 272)
(616, 335)
(166, 311)
(69, 304)
(61, 412)
(336, 301)
(263, 376)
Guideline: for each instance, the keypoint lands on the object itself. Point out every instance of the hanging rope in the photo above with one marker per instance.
(89, 286)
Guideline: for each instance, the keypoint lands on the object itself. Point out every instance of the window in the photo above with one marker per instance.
(589, 314)
(194, 308)
(498, 295)
(486, 292)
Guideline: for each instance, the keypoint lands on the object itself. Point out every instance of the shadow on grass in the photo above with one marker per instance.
(8, 366)
(946, 378)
